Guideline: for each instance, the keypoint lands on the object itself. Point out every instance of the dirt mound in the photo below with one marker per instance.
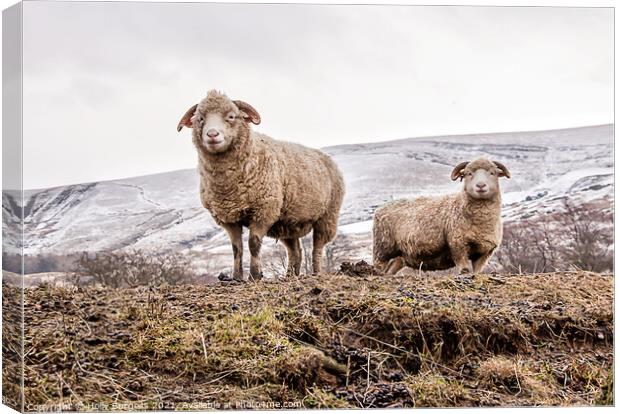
(323, 341)
(359, 269)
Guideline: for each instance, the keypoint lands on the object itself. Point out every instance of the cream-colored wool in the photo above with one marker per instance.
(437, 233)
(275, 188)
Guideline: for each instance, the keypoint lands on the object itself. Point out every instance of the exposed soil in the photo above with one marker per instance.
(326, 341)
(360, 269)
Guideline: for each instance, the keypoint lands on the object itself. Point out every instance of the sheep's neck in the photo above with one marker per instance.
(482, 211)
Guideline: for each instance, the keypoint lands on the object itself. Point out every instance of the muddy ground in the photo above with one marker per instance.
(347, 340)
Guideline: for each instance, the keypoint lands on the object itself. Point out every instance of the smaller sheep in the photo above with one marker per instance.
(438, 233)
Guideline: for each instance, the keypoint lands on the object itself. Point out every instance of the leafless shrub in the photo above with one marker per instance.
(528, 247)
(306, 253)
(579, 236)
(277, 264)
(133, 268)
(334, 253)
(39, 263)
(589, 233)
(338, 251)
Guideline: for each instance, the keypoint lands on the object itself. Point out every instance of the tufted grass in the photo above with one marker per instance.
(328, 341)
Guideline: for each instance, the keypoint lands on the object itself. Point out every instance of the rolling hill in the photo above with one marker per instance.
(162, 212)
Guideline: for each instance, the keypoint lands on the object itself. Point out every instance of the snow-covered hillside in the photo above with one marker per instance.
(162, 212)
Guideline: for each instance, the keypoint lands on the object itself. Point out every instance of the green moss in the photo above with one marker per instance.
(319, 399)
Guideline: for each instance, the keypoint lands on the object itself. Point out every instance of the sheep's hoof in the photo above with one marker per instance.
(257, 277)
(465, 271)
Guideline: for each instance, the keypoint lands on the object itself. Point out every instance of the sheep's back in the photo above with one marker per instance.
(310, 180)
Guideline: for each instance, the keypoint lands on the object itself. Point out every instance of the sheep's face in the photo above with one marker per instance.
(481, 177)
(218, 121)
(216, 130)
(481, 183)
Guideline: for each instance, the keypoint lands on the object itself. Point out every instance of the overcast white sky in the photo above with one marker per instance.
(106, 83)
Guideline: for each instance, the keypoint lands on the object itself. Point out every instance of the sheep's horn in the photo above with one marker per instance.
(505, 172)
(251, 113)
(456, 172)
(186, 121)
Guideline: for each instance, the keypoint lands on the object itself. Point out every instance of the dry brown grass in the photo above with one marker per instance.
(325, 342)
(513, 376)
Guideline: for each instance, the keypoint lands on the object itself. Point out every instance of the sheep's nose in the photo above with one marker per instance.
(481, 185)
(212, 133)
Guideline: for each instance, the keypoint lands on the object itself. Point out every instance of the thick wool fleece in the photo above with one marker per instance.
(287, 187)
(268, 181)
(437, 233)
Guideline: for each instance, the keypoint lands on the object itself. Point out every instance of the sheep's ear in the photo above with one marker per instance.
(186, 121)
(457, 172)
(503, 170)
(249, 113)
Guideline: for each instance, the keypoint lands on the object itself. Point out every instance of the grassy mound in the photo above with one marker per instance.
(326, 341)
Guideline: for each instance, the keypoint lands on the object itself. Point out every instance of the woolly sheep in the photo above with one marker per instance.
(437, 233)
(274, 188)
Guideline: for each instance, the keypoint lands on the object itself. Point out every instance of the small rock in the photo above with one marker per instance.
(223, 277)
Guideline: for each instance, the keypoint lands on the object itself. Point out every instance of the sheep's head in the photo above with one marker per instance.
(217, 121)
(481, 177)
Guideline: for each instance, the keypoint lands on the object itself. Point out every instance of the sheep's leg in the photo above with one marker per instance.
(481, 262)
(235, 232)
(257, 232)
(318, 243)
(395, 265)
(460, 256)
(293, 250)
(323, 231)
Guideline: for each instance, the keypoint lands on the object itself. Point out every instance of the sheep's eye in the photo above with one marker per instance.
(492, 173)
(470, 174)
(231, 117)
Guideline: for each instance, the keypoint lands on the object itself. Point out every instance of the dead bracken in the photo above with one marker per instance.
(324, 341)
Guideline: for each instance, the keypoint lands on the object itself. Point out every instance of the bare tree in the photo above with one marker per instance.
(134, 268)
(277, 264)
(589, 238)
(576, 237)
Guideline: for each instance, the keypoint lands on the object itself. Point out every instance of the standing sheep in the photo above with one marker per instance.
(437, 233)
(276, 189)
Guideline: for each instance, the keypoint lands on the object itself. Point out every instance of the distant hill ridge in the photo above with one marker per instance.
(162, 212)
